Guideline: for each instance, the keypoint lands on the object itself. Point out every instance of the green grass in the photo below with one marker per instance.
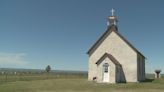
(78, 84)
(31, 77)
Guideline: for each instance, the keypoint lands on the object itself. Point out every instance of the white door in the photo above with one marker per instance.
(105, 72)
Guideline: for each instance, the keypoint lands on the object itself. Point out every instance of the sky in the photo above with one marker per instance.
(37, 33)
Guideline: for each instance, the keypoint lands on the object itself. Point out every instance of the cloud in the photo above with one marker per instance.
(16, 59)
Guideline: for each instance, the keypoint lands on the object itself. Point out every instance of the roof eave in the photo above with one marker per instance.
(109, 30)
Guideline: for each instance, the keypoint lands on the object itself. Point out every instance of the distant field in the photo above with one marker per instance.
(74, 84)
(33, 77)
(13, 75)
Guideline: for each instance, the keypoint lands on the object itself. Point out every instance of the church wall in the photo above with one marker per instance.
(127, 57)
(92, 69)
(141, 68)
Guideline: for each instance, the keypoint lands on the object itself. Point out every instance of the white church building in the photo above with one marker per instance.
(112, 59)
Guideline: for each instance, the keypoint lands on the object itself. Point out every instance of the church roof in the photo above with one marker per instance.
(110, 57)
(111, 28)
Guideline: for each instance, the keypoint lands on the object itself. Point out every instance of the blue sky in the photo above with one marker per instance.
(37, 33)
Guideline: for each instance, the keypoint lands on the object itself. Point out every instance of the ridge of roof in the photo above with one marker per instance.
(99, 41)
(111, 57)
(110, 29)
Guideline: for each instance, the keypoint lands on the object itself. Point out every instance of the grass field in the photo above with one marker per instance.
(76, 84)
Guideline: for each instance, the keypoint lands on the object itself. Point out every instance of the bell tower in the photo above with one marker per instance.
(112, 20)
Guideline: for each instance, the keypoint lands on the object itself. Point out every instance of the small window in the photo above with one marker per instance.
(106, 65)
(106, 69)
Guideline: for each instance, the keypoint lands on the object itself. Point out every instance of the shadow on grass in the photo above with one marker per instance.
(149, 80)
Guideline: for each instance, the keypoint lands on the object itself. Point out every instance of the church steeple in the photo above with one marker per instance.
(112, 20)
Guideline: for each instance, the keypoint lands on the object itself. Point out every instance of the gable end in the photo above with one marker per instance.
(105, 35)
(110, 57)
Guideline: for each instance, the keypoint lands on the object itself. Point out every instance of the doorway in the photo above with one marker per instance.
(106, 72)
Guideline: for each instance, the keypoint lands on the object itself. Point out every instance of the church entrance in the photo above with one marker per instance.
(106, 72)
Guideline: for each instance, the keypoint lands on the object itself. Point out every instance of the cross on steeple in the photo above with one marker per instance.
(112, 11)
(112, 19)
